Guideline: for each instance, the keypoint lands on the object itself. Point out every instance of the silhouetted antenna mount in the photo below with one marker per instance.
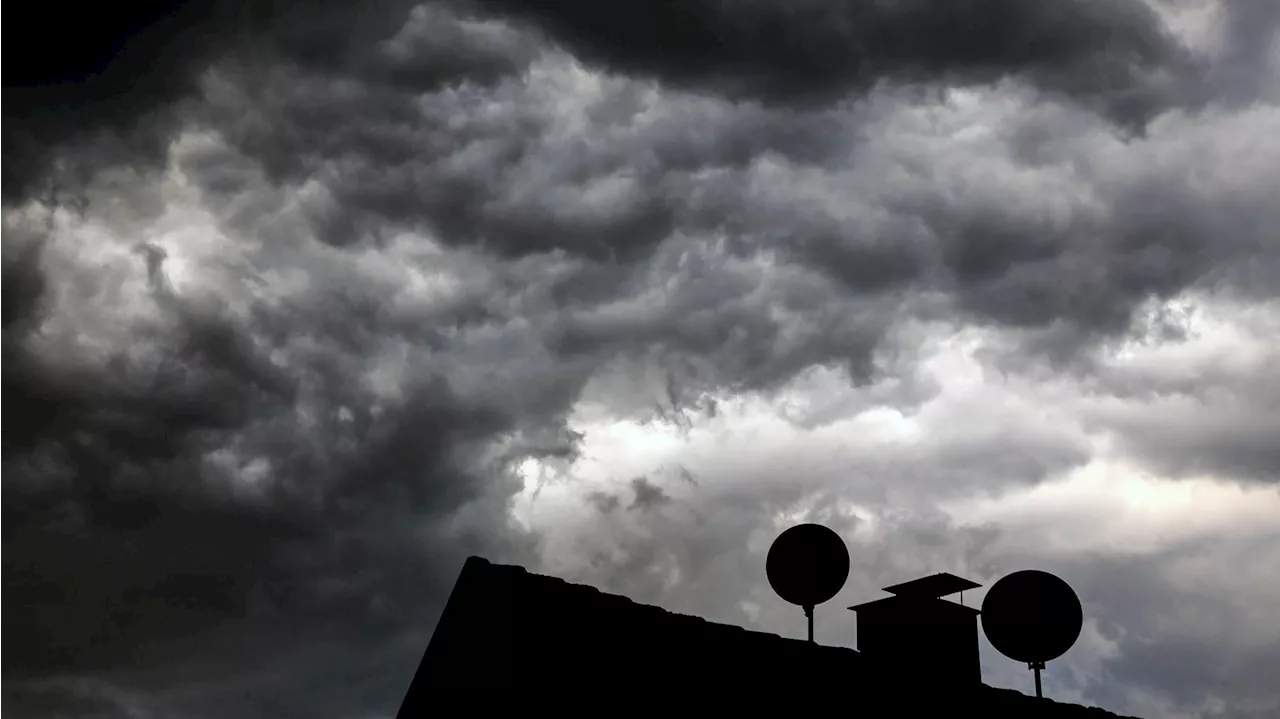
(807, 565)
(1032, 616)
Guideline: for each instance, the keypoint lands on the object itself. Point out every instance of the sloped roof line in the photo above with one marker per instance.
(584, 593)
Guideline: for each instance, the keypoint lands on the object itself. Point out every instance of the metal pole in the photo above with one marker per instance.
(1036, 667)
(808, 613)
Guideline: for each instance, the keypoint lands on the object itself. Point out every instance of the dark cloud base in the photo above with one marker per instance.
(1101, 52)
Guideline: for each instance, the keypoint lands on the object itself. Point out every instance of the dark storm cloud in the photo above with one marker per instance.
(1191, 439)
(376, 154)
(489, 168)
(126, 68)
(603, 501)
(1116, 55)
(92, 699)
(647, 494)
(1067, 267)
(504, 178)
(23, 284)
(738, 343)
(110, 75)
(115, 79)
(236, 462)
(196, 486)
(1250, 30)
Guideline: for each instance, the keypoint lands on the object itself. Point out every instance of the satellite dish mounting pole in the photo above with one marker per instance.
(807, 565)
(1032, 616)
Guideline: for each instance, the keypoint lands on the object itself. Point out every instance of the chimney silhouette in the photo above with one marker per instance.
(916, 631)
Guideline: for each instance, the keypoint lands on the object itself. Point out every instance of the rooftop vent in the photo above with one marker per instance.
(917, 627)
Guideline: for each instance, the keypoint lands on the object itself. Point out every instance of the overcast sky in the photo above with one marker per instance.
(342, 293)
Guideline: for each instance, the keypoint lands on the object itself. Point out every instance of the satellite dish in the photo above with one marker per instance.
(1032, 616)
(807, 565)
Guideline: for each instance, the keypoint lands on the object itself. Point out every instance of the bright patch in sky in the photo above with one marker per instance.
(752, 443)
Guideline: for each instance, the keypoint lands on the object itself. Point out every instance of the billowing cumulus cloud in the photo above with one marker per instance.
(337, 297)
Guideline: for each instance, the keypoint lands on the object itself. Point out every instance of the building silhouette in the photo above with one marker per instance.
(915, 630)
(509, 638)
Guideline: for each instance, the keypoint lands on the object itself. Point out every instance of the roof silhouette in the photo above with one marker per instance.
(934, 585)
(913, 599)
(914, 628)
(510, 638)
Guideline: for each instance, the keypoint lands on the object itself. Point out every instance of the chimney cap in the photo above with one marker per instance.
(913, 604)
(932, 586)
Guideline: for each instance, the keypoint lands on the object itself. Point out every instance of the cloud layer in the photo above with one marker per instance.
(339, 299)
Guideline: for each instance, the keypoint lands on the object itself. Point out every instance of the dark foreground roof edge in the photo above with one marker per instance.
(477, 564)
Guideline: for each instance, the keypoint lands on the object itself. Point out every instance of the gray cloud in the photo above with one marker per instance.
(703, 553)
(1070, 264)
(1187, 641)
(121, 100)
(277, 346)
(1202, 407)
(111, 81)
(1246, 67)
(217, 477)
(1116, 55)
(647, 494)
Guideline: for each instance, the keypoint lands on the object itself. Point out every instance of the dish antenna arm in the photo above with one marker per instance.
(1036, 667)
(1032, 616)
(807, 565)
